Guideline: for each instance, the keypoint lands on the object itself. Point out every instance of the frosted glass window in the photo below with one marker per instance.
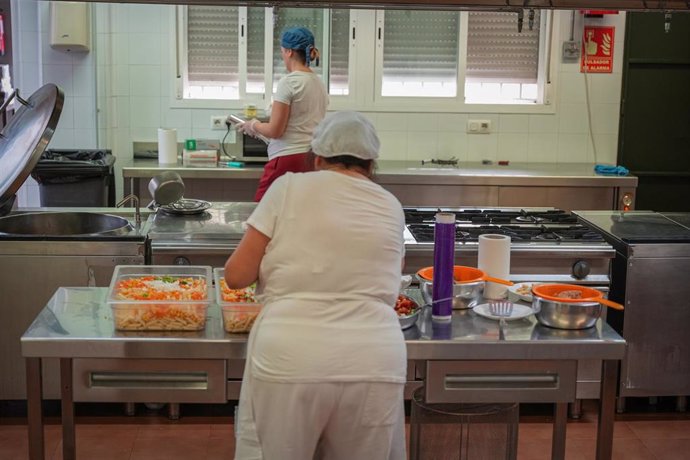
(339, 82)
(256, 45)
(212, 46)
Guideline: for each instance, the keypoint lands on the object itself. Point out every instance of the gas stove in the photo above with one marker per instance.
(547, 244)
(550, 226)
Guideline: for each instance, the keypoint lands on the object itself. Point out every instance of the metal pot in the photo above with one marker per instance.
(166, 187)
(467, 289)
(566, 315)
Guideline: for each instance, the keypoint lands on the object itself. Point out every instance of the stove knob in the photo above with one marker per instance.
(181, 261)
(581, 269)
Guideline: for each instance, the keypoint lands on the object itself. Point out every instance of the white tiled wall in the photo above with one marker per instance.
(131, 67)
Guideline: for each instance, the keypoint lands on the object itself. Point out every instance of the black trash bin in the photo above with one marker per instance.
(76, 178)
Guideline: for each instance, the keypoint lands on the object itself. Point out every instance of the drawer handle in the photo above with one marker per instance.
(501, 381)
(188, 381)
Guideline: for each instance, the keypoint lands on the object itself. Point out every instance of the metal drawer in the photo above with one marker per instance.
(500, 381)
(149, 380)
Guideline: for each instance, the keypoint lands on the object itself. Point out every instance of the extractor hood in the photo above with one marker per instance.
(510, 5)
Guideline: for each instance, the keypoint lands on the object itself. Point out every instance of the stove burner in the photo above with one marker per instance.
(424, 233)
(530, 219)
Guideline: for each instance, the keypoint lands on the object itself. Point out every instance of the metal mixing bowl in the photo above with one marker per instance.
(408, 321)
(465, 295)
(566, 315)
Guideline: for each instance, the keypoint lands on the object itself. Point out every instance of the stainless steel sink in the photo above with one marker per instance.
(64, 224)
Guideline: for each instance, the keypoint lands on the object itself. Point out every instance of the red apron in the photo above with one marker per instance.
(298, 162)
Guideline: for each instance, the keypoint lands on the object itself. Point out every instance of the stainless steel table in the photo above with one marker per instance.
(464, 360)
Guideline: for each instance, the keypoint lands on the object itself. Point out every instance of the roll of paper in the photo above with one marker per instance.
(444, 257)
(494, 260)
(167, 146)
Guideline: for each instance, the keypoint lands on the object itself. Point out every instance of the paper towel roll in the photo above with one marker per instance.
(167, 146)
(494, 260)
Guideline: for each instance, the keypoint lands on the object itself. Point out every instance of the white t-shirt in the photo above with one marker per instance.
(307, 97)
(329, 280)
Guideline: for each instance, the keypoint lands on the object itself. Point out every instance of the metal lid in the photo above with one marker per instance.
(26, 136)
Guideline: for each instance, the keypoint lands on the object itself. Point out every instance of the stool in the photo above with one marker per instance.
(462, 431)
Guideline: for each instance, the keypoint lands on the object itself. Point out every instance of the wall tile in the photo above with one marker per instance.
(512, 124)
(144, 49)
(427, 122)
(573, 85)
(542, 147)
(452, 122)
(120, 81)
(62, 139)
(572, 148)
(103, 14)
(102, 46)
(61, 75)
(85, 138)
(607, 148)
(145, 18)
(482, 147)
(28, 46)
(120, 48)
(452, 144)
(145, 111)
(28, 15)
(201, 118)
(144, 80)
(66, 120)
(119, 20)
(605, 118)
(544, 123)
(605, 88)
(53, 56)
(30, 79)
(121, 116)
(512, 146)
(175, 118)
(387, 121)
(421, 146)
(84, 81)
(84, 113)
(145, 135)
(393, 145)
(573, 118)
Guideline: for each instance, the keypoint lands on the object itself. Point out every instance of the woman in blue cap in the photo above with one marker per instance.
(299, 104)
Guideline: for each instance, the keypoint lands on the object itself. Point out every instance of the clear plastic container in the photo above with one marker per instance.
(159, 297)
(239, 313)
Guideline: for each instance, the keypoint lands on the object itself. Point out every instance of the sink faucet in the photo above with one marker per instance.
(137, 211)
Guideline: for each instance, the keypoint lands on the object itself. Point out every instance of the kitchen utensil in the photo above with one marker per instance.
(586, 294)
(166, 187)
(407, 321)
(521, 291)
(468, 287)
(502, 309)
(186, 206)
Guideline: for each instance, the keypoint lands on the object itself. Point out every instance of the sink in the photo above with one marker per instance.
(64, 224)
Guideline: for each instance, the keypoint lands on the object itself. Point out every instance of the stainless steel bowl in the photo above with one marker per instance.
(566, 315)
(409, 320)
(465, 295)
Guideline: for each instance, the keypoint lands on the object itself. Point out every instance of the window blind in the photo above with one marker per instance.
(340, 51)
(311, 18)
(212, 57)
(420, 45)
(255, 49)
(497, 52)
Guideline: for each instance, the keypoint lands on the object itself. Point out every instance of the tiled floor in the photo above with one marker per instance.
(206, 438)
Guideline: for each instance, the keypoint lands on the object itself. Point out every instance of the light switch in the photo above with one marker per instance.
(478, 126)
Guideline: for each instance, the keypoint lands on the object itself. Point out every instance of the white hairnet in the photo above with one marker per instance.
(346, 133)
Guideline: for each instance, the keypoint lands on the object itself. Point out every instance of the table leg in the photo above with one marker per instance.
(34, 401)
(560, 421)
(69, 451)
(609, 374)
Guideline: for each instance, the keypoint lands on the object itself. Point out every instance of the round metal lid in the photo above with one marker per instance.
(26, 136)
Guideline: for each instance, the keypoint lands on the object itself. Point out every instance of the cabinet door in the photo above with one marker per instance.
(647, 41)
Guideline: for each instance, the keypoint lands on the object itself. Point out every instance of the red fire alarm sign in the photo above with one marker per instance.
(597, 50)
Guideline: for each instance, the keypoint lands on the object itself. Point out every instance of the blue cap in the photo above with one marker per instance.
(298, 38)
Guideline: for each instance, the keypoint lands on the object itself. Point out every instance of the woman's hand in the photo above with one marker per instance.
(248, 127)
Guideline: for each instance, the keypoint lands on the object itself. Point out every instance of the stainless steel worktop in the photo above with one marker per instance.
(77, 323)
(413, 172)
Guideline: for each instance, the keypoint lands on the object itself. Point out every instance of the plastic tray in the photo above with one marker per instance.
(238, 317)
(160, 313)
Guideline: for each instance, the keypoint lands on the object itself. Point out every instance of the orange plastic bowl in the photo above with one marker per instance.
(462, 274)
(551, 292)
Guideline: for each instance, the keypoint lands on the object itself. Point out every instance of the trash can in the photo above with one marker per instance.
(76, 178)
(462, 431)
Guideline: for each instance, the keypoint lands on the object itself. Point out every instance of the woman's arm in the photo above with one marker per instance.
(242, 267)
(275, 127)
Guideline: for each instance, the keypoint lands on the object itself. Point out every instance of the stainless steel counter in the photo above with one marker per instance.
(567, 186)
(412, 172)
(531, 363)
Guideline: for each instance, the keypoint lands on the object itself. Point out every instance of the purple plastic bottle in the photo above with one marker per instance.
(444, 257)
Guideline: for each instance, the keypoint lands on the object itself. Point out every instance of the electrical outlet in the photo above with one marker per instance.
(571, 51)
(218, 122)
(478, 126)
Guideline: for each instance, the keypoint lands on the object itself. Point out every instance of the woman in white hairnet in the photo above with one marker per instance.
(326, 358)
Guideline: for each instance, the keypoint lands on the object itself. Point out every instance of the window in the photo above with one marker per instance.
(371, 60)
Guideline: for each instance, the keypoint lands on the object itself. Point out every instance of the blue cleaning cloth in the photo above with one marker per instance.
(608, 170)
(298, 38)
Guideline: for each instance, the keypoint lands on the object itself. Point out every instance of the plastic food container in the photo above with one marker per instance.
(238, 306)
(159, 297)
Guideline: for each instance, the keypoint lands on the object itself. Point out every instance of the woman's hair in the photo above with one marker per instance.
(301, 41)
(367, 167)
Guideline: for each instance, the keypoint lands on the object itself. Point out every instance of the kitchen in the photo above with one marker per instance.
(137, 102)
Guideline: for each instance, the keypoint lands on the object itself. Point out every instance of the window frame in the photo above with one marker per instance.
(364, 92)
